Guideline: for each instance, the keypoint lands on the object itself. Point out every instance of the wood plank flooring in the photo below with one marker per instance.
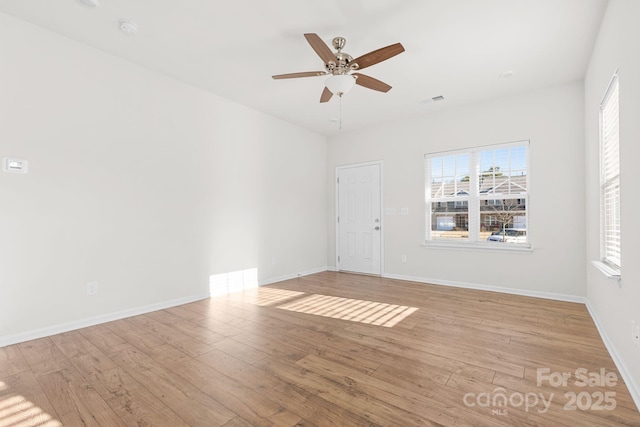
(326, 349)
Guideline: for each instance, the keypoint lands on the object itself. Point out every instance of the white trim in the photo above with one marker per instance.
(481, 287)
(607, 185)
(291, 276)
(612, 82)
(482, 246)
(337, 206)
(632, 386)
(96, 320)
(104, 318)
(336, 212)
(609, 272)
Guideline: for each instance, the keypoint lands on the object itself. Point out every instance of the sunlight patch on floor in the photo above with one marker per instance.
(266, 296)
(369, 312)
(17, 411)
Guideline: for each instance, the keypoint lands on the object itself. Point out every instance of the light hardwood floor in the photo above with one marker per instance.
(326, 349)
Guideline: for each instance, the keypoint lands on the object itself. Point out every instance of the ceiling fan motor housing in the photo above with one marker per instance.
(342, 64)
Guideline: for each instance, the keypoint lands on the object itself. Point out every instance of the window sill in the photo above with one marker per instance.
(609, 272)
(481, 246)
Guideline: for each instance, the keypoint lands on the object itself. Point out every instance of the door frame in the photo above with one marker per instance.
(337, 210)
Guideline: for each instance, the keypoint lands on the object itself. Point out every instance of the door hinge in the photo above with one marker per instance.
(338, 180)
(338, 258)
(338, 219)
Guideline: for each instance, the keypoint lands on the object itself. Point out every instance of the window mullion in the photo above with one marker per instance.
(474, 203)
(427, 196)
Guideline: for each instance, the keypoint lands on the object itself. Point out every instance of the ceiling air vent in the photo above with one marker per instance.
(89, 3)
(434, 99)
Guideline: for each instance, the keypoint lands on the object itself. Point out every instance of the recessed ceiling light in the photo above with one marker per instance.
(128, 27)
(506, 74)
(89, 3)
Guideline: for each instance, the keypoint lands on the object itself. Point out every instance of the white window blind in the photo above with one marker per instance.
(610, 176)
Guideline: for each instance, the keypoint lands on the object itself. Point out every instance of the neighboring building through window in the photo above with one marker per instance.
(478, 195)
(610, 177)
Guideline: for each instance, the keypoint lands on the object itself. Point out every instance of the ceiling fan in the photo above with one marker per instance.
(341, 67)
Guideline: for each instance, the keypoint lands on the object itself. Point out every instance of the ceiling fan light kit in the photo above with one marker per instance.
(340, 84)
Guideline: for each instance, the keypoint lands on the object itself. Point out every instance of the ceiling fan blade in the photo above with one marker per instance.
(296, 75)
(326, 95)
(321, 48)
(371, 83)
(371, 58)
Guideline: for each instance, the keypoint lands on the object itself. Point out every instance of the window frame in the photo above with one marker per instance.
(474, 200)
(609, 185)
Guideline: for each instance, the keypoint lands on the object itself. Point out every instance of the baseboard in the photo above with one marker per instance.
(292, 276)
(91, 321)
(634, 388)
(481, 287)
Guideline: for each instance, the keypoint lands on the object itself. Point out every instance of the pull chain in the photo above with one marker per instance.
(340, 111)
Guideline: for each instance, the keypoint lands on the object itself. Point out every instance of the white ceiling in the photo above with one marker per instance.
(454, 48)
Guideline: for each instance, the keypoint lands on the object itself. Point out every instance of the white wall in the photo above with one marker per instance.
(552, 119)
(141, 183)
(616, 306)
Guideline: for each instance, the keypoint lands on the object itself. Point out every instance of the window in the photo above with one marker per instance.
(610, 177)
(474, 194)
(489, 220)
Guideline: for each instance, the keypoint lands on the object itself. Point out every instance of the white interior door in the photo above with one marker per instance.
(359, 221)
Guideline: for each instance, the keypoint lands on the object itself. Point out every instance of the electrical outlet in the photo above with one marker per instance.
(635, 333)
(404, 258)
(92, 288)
